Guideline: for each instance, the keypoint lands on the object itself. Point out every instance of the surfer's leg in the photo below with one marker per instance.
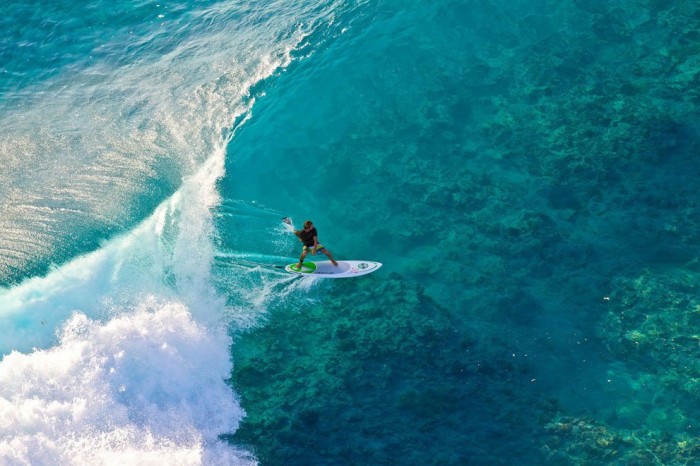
(301, 259)
(330, 256)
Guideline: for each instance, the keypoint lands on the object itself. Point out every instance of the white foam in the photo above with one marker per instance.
(146, 387)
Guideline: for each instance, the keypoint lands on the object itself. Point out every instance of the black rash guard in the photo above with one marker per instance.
(308, 236)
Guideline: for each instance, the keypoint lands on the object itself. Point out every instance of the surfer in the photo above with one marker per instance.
(309, 236)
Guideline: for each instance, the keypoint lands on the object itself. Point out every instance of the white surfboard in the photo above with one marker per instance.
(326, 269)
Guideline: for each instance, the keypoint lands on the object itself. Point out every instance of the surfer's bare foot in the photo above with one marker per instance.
(298, 266)
(335, 263)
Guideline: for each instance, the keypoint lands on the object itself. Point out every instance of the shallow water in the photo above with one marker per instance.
(524, 171)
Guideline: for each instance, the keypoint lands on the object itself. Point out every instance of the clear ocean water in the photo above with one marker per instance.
(527, 172)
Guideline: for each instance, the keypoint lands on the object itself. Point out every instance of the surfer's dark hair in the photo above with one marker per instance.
(307, 223)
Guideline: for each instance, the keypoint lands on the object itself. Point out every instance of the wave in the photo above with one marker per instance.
(137, 362)
(90, 152)
(121, 355)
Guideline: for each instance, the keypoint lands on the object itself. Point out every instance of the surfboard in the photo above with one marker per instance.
(326, 269)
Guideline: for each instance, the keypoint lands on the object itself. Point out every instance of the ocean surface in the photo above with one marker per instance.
(526, 171)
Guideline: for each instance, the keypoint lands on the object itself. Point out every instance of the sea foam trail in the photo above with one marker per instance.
(120, 356)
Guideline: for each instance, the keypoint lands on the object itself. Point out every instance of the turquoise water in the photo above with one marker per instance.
(525, 171)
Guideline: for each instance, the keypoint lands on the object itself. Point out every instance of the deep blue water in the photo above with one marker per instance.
(525, 171)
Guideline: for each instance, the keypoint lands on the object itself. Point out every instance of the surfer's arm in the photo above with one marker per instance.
(298, 234)
(315, 244)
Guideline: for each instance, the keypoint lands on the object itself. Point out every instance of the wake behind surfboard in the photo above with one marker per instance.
(326, 269)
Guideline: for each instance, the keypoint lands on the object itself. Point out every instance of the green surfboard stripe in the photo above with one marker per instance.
(306, 267)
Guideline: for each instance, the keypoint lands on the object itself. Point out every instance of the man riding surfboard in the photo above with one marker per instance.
(309, 237)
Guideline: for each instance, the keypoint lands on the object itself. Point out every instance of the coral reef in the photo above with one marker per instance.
(539, 182)
(379, 372)
(653, 323)
(582, 441)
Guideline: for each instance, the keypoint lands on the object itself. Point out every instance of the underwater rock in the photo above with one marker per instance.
(571, 174)
(588, 442)
(407, 374)
(666, 419)
(630, 415)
